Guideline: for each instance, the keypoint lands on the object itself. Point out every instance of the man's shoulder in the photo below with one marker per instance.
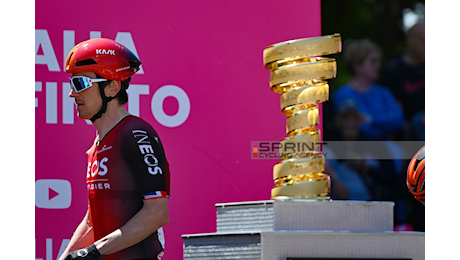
(132, 121)
(134, 124)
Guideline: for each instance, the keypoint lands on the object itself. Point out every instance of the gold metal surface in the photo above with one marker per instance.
(304, 131)
(301, 198)
(298, 143)
(298, 73)
(313, 163)
(302, 119)
(294, 101)
(313, 188)
(323, 68)
(282, 53)
(284, 87)
(291, 179)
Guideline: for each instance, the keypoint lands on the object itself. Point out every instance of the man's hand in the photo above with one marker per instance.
(153, 215)
(88, 253)
(81, 238)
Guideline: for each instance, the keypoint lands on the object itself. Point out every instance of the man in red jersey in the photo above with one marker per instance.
(128, 174)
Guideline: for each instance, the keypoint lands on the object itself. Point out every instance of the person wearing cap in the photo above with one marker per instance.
(355, 166)
(128, 174)
(405, 73)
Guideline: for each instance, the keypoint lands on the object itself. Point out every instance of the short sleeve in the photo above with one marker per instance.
(144, 153)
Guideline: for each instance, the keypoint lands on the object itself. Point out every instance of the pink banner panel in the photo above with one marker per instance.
(203, 87)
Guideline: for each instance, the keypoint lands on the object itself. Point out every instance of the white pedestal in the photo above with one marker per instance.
(327, 229)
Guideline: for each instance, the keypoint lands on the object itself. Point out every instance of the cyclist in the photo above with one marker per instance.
(128, 174)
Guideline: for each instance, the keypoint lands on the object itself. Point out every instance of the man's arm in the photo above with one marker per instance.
(153, 215)
(82, 237)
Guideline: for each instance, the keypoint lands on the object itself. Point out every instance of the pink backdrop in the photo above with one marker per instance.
(212, 52)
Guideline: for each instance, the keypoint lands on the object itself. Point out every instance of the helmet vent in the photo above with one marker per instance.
(134, 63)
(85, 62)
(68, 60)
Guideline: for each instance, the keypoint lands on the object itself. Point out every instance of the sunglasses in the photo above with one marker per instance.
(80, 83)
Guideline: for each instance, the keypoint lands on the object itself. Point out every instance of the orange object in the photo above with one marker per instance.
(416, 175)
(105, 57)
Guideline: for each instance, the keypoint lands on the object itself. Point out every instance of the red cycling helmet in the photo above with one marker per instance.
(416, 175)
(105, 57)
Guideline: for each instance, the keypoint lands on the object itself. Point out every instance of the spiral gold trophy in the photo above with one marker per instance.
(300, 221)
(298, 73)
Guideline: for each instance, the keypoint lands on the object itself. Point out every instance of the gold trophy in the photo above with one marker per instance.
(298, 73)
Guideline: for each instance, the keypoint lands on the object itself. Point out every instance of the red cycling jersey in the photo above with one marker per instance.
(125, 168)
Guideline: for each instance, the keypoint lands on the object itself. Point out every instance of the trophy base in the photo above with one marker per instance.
(286, 198)
(305, 245)
(305, 214)
(285, 229)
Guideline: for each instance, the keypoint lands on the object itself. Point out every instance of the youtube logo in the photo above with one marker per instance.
(53, 194)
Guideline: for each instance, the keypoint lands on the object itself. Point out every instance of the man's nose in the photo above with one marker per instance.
(73, 93)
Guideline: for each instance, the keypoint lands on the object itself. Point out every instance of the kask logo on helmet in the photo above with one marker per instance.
(104, 51)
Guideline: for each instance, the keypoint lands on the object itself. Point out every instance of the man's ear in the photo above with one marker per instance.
(112, 89)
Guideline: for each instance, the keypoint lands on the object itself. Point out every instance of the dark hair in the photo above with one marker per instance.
(122, 95)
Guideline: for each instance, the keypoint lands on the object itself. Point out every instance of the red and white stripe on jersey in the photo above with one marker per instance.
(156, 195)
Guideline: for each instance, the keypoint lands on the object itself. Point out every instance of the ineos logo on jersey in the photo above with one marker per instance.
(150, 160)
(93, 168)
(97, 168)
(147, 150)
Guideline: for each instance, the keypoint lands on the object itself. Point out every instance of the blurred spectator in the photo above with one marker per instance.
(364, 177)
(405, 74)
(380, 113)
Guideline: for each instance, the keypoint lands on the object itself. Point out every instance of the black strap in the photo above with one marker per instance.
(105, 100)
